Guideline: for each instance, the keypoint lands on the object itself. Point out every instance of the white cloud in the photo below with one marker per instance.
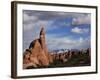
(35, 19)
(81, 40)
(67, 43)
(29, 21)
(79, 30)
(28, 26)
(85, 19)
(27, 18)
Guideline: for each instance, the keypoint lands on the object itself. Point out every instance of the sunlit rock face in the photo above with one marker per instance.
(37, 54)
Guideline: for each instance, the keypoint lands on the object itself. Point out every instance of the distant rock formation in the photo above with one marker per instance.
(37, 54)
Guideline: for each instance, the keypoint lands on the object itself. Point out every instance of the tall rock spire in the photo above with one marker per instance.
(42, 38)
(43, 41)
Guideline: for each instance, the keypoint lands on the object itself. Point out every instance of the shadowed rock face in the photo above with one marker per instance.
(37, 54)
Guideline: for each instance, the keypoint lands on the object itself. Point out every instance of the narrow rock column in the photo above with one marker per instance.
(43, 42)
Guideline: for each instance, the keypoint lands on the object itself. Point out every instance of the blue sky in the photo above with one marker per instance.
(64, 30)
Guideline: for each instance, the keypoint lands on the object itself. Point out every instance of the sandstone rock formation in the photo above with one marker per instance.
(37, 54)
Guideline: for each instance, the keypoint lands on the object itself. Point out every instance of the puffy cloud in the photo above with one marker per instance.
(79, 30)
(85, 19)
(27, 19)
(32, 21)
(32, 18)
(67, 43)
(27, 26)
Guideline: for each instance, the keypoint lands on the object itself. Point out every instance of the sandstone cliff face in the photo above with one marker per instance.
(37, 54)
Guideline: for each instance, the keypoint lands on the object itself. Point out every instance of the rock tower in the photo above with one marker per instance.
(37, 54)
(42, 39)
